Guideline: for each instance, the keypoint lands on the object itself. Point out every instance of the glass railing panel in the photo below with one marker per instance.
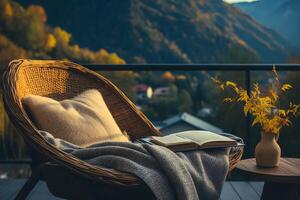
(162, 94)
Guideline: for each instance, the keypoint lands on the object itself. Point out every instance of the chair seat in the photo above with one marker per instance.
(78, 187)
(71, 177)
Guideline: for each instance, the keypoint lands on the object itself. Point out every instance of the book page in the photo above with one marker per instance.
(171, 140)
(204, 137)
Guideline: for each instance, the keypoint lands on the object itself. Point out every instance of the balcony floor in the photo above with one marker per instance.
(234, 190)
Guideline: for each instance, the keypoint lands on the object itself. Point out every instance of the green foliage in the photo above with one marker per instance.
(182, 95)
(10, 51)
(290, 138)
(125, 80)
(26, 27)
(25, 32)
(35, 33)
(185, 102)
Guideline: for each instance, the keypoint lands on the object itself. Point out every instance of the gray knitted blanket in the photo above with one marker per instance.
(190, 175)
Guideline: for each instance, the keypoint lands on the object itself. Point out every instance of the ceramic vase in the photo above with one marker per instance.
(267, 151)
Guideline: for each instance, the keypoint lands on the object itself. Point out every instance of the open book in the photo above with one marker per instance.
(189, 140)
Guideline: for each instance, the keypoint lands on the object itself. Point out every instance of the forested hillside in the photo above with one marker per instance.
(167, 31)
(24, 33)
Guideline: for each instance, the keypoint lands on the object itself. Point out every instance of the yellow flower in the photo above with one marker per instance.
(263, 107)
(286, 87)
(232, 85)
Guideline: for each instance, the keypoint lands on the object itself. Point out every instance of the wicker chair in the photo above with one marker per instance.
(65, 175)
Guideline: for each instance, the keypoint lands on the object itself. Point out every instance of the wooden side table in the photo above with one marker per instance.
(282, 182)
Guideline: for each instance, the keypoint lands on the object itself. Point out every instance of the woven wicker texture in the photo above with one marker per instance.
(60, 80)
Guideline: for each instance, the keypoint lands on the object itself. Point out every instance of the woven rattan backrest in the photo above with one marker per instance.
(61, 80)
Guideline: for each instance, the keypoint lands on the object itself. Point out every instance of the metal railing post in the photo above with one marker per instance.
(248, 138)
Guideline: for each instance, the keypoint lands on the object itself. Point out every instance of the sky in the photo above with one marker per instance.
(235, 1)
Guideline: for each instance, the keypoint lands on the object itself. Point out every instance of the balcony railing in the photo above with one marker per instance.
(245, 70)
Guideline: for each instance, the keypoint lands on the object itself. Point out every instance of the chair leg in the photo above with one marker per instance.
(29, 185)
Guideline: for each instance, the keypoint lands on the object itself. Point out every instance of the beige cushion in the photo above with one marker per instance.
(82, 120)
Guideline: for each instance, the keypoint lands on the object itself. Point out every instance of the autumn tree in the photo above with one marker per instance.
(27, 29)
(9, 51)
(35, 32)
(125, 80)
(167, 78)
(185, 102)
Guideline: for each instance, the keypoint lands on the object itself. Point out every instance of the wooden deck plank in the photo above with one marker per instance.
(42, 192)
(244, 190)
(257, 186)
(9, 188)
(228, 193)
(4, 187)
(17, 189)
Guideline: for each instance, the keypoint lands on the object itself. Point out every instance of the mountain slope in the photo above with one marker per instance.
(280, 15)
(286, 20)
(261, 9)
(167, 31)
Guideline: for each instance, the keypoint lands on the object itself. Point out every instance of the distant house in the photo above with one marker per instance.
(205, 112)
(185, 122)
(161, 92)
(143, 91)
